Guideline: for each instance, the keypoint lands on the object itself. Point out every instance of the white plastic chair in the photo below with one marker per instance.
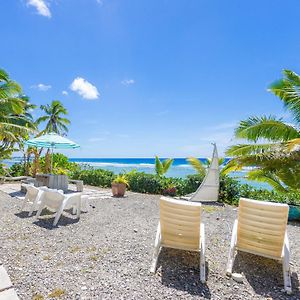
(180, 227)
(261, 230)
(56, 201)
(33, 195)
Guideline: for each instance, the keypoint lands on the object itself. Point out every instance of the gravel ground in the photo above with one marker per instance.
(107, 255)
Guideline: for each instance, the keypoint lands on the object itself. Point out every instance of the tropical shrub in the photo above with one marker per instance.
(17, 169)
(60, 163)
(144, 183)
(96, 177)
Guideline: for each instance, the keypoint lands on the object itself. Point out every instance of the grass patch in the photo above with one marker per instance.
(209, 209)
(94, 257)
(74, 249)
(57, 293)
(92, 249)
(38, 297)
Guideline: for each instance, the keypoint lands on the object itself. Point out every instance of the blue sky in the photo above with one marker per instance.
(141, 78)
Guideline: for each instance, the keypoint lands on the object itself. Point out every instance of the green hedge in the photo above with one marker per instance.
(230, 189)
(96, 177)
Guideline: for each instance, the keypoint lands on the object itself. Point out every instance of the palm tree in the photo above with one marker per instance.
(15, 124)
(54, 118)
(162, 167)
(272, 145)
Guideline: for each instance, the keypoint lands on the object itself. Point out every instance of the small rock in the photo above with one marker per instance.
(237, 277)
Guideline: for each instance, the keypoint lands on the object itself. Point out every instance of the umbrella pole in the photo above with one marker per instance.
(51, 160)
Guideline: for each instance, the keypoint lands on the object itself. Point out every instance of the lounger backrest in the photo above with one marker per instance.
(53, 198)
(262, 227)
(32, 191)
(180, 224)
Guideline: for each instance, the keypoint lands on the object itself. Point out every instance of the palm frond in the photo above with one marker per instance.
(166, 164)
(196, 164)
(271, 179)
(269, 128)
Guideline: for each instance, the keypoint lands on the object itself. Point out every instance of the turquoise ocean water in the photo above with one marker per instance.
(180, 167)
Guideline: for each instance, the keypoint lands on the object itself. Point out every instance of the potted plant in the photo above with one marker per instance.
(119, 185)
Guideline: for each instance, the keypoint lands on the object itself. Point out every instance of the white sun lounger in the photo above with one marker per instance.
(57, 201)
(180, 227)
(261, 230)
(32, 196)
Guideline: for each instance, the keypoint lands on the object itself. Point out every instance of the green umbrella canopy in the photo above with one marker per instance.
(53, 141)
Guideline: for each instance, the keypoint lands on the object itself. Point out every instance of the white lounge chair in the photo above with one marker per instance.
(32, 196)
(180, 227)
(57, 201)
(261, 230)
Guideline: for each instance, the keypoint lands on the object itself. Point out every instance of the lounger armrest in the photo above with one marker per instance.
(158, 235)
(202, 237)
(286, 247)
(232, 248)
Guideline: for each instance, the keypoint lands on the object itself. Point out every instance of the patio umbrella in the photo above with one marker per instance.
(52, 141)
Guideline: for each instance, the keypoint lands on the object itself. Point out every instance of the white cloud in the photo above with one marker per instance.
(42, 87)
(41, 7)
(65, 93)
(128, 82)
(84, 88)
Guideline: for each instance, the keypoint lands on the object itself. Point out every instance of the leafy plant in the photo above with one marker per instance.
(121, 179)
(162, 167)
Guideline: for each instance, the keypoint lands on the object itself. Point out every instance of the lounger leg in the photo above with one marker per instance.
(202, 254)
(286, 266)
(78, 208)
(58, 214)
(157, 247)
(40, 210)
(232, 250)
(24, 203)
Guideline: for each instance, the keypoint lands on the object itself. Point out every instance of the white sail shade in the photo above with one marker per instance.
(208, 191)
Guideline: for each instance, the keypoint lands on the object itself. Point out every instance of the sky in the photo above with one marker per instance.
(142, 78)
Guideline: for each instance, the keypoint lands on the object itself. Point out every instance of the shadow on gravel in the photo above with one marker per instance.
(48, 221)
(16, 194)
(180, 270)
(265, 276)
(24, 215)
(294, 223)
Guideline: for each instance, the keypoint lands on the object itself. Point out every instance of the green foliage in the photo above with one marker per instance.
(61, 164)
(144, 183)
(162, 167)
(271, 144)
(54, 116)
(15, 119)
(95, 177)
(197, 165)
(121, 179)
(16, 170)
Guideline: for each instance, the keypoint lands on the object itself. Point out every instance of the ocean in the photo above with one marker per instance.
(180, 167)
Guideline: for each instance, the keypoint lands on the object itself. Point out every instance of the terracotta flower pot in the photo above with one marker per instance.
(118, 189)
